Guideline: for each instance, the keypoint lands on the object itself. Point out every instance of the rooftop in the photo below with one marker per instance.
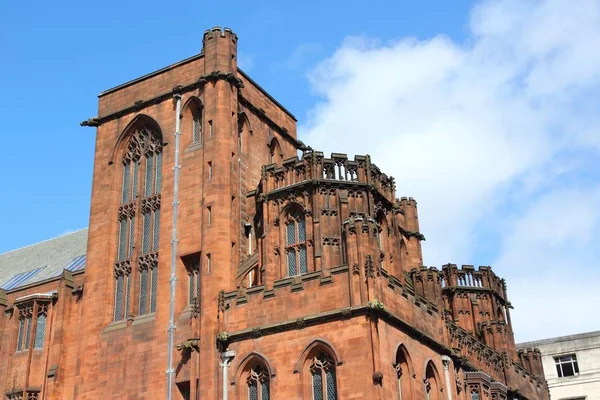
(559, 339)
(43, 260)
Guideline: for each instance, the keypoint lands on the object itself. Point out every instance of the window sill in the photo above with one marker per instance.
(140, 319)
(116, 325)
(193, 147)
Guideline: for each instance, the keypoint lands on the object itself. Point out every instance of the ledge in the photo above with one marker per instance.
(140, 319)
(116, 325)
(193, 147)
(334, 315)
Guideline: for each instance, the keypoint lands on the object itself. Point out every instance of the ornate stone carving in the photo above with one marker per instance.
(127, 211)
(331, 241)
(147, 261)
(369, 267)
(151, 203)
(122, 268)
(377, 378)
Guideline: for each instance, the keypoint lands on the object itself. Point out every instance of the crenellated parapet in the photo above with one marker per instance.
(531, 359)
(427, 283)
(474, 278)
(336, 171)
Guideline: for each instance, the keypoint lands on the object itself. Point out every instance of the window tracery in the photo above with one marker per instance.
(32, 325)
(258, 383)
(295, 244)
(142, 159)
(322, 369)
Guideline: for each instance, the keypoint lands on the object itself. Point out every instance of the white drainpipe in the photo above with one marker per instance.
(226, 358)
(446, 363)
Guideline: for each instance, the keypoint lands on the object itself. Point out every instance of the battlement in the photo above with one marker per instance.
(313, 166)
(218, 32)
(468, 276)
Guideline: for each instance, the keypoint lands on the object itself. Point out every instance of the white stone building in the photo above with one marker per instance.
(571, 365)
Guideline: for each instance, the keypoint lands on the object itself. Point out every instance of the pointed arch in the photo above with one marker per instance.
(500, 314)
(383, 239)
(244, 133)
(432, 382)
(403, 257)
(251, 358)
(140, 121)
(193, 103)
(253, 377)
(317, 366)
(139, 149)
(295, 238)
(192, 121)
(404, 373)
(276, 155)
(317, 343)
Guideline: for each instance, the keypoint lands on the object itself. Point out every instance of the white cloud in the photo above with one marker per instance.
(479, 131)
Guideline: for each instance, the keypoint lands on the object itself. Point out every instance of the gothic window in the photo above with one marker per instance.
(382, 237)
(32, 325)
(197, 129)
(403, 374)
(258, 383)
(275, 154)
(322, 371)
(25, 326)
(142, 162)
(192, 265)
(432, 388)
(40, 327)
(295, 244)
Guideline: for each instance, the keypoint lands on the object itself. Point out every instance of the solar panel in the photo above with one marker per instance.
(20, 279)
(75, 264)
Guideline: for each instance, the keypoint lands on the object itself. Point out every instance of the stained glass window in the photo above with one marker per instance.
(40, 331)
(295, 241)
(147, 230)
(258, 383)
(317, 381)
(148, 183)
(142, 183)
(28, 331)
(324, 384)
(21, 333)
(119, 298)
(197, 130)
(143, 291)
(154, 287)
(126, 197)
(122, 239)
(158, 186)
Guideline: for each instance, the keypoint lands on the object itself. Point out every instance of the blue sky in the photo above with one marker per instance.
(58, 56)
(486, 112)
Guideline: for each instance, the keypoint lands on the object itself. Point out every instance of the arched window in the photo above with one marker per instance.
(142, 161)
(432, 385)
(382, 237)
(276, 156)
(295, 244)
(194, 111)
(258, 383)
(403, 373)
(322, 371)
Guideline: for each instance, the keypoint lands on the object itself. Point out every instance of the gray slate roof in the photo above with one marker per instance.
(43, 260)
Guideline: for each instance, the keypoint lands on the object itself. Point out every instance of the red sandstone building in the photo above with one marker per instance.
(300, 277)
